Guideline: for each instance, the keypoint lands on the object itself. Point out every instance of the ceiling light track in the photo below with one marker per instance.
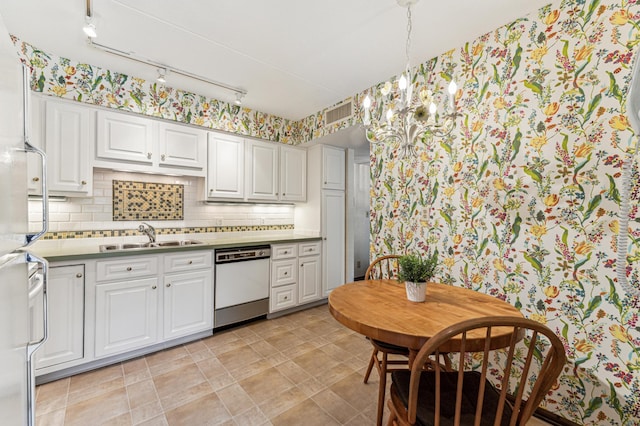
(164, 69)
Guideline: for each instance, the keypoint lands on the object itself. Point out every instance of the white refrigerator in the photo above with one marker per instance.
(22, 275)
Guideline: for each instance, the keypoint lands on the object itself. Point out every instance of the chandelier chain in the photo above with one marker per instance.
(408, 47)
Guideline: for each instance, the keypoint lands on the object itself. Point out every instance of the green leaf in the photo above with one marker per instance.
(533, 86)
(485, 87)
(582, 360)
(515, 228)
(613, 295)
(517, 57)
(135, 98)
(446, 147)
(593, 204)
(496, 77)
(534, 174)
(445, 216)
(516, 144)
(534, 262)
(593, 105)
(592, 8)
(565, 331)
(613, 192)
(594, 303)
(41, 81)
(594, 404)
(483, 167)
(614, 401)
(483, 245)
(614, 90)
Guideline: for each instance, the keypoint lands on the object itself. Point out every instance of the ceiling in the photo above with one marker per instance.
(294, 57)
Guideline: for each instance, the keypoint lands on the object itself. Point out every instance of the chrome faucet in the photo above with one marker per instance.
(149, 231)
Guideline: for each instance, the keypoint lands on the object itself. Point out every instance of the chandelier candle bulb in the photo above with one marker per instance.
(367, 115)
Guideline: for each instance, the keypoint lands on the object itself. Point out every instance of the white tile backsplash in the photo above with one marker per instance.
(95, 213)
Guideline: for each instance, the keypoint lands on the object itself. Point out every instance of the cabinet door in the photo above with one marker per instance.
(262, 163)
(309, 279)
(333, 231)
(293, 174)
(68, 139)
(283, 297)
(225, 172)
(124, 137)
(333, 164)
(65, 290)
(188, 303)
(182, 146)
(126, 315)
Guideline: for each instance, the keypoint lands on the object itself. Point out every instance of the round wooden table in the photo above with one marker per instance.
(379, 309)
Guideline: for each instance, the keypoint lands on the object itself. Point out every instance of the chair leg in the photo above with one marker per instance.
(392, 415)
(382, 389)
(374, 358)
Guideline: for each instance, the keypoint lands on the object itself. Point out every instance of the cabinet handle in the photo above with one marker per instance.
(286, 273)
(153, 287)
(35, 179)
(191, 262)
(84, 182)
(286, 298)
(129, 268)
(79, 275)
(286, 252)
(149, 155)
(162, 157)
(302, 265)
(168, 284)
(325, 182)
(283, 194)
(276, 193)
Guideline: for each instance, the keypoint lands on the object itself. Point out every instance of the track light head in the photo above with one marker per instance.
(89, 27)
(238, 100)
(162, 75)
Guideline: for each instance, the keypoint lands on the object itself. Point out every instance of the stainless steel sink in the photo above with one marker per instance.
(159, 244)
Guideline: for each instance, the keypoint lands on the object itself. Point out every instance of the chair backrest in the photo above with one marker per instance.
(533, 349)
(383, 268)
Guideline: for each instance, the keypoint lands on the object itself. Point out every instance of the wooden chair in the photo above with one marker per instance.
(460, 397)
(384, 267)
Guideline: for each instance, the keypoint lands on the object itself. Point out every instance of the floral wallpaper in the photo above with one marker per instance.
(61, 77)
(522, 199)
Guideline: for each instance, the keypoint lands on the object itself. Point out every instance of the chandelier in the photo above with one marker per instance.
(408, 120)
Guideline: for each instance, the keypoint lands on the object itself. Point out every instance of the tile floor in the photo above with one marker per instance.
(303, 368)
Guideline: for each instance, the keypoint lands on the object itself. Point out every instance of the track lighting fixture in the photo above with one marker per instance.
(162, 75)
(89, 24)
(238, 100)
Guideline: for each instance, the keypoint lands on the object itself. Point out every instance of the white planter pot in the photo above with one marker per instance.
(416, 292)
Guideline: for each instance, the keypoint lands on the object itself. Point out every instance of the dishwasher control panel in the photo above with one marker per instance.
(242, 254)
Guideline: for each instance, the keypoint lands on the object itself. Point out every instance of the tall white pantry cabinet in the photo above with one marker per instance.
(324, 213)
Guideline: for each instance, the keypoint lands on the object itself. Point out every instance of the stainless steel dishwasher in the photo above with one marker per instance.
(241, 284)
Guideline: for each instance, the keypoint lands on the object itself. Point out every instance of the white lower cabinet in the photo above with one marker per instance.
(142, 300)
(65, 290)
(188, 303)
(126, 315)
(295, 275)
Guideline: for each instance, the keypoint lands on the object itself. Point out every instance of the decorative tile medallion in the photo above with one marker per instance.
(147, 200)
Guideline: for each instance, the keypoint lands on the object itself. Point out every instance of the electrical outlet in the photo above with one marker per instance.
(358, 264)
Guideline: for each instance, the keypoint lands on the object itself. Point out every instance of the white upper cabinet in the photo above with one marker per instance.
(124, 137)
(68, 141)
(333, 160)
(146, 145)
(182, 146)
(276, 172)
(293, 174)
(262, 168)
(225, 166)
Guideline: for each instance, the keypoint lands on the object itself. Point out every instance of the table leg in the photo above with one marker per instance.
(412, 356)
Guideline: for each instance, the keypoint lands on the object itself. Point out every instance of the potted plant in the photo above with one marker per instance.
(415, 271)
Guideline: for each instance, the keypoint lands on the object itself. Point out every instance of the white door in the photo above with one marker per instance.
(68, 140)
(182, 146)
(333, 231)
(225, 174)
(66, 317)
(333, 163)
(293, 174)
(188, 303)
(126, 315)
(262, 163)
(309, 284)
(125, 137)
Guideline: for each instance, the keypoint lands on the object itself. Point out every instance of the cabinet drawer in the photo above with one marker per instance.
(187, 261)
(284, 251)
(283, 297)
(284, 272)
(309, 249)
(127, 267)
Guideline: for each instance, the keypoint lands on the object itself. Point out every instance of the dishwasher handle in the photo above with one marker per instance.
(242, 254)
